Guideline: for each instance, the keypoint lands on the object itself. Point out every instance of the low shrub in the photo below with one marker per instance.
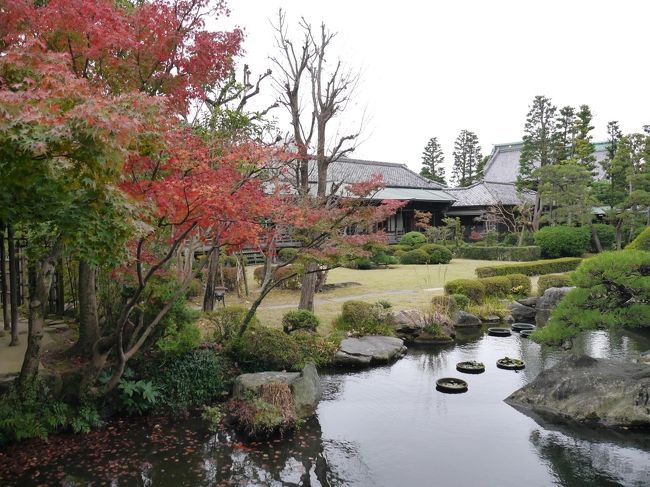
(395, 247)
(563, 241)
(178, 340)
(278, 274)
(384, 304)
(641, 242)
(137, 397)
(287, 253)
(521, 285)
(416, 256)
(534, 268)
(263, 348)
(229, 261)
(272, 413)
(399, 254)
(497, 286)
(362, 318)
(381, 257)
(511, 239)
(552, 280)
(478, 252)
(413, 239)
(230, 278)
(444, 304)
(472, 288)
(195, 289)
(227, 321)
(492, 306)
(193, 379)
(461, 300)
(606, 235)
(612, 291)
(438, 254)
(300, 319)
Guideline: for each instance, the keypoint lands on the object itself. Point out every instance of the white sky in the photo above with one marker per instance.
(432, 68)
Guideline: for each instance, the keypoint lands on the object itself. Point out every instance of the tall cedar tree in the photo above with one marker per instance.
(584, 148)
(432, 162)
(565, 134)
(540, 141)
(467, 159)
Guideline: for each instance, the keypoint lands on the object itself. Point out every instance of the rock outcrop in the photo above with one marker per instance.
(521, 313)
(547, 303)
(409, 325)
(305, 387)
(369, 350)
(465, 320)
(590, 391)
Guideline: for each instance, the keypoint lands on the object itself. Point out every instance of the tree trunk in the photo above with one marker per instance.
(88, 315)
(619, 235)
(594, 235)
(13, 284)
(40, 283)
(4, 287)
(537, 212)
(308, 287)
(210, 282)
(60, 289)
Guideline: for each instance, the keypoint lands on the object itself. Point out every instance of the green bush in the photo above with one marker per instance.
(397, 247)
(195, 289)
(137, 396)
(162, 289)
(511, 240)
(641, 242)
(438, 254)
(416, 256)
(461, 300)
(287, 253)
(278, 274)
(227, 321)
(413, 239)
(521, 285)
(193, 379)
(606, 235)
(563, 241)
(534, 268)
(612, 291)
(478, 252)
(176, 340)
(444, 304)
(299, 319)
(229, 261)
(399, 254)
(552, 280)
(381, 257)
(472, 288)
(497, 286)
(363, 318)
(262, 348)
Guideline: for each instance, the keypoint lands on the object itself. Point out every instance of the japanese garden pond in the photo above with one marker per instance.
(386, 426)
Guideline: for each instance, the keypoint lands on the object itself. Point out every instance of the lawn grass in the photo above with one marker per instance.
(404, 286)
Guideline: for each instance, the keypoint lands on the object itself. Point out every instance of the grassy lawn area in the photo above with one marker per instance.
(405, 286)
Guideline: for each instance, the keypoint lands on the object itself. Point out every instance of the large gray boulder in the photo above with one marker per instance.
(369, 350)
(407, 321)
(589, 390)
(305, 387)
(547, 303)
(467, 320)
(521, 313)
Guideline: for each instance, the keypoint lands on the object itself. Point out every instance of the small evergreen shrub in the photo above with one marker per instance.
(563, 241)
(500, 252)
(612, 291)
(552, 280)
(641, 242)
(278, 274)
(300, 319)
(382, 257)
(511, 239)
(178, 340)
(227, 321)
(195, 289)
(362, 318)
(416, 256)
(606, 235)
(472, 288)
(461, 300)
(413, 239)
(395, 247)
(287, 253)
(520, 284)
(534, 268)
(497, 286)
(438, 254)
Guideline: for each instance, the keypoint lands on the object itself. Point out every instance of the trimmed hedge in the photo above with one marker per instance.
(552, 280)
(520, 281)
(413, 239)
(477, 252)
(606, 235)
(563, 241)
(641, 242)
(474, 289)
(416, 256)
(438, 254)
(534, 268)
(498, 286)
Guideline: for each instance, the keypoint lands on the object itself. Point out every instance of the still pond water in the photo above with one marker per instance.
(383, 427)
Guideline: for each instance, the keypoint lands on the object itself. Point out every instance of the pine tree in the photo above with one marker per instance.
(432, 162)
(467, 159)
(584, 148)
(565, 134)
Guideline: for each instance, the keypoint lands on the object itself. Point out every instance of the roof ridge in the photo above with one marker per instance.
(371, 163)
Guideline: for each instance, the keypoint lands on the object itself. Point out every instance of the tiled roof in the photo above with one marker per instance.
(488, 194)
(356, 170)
(503, 165)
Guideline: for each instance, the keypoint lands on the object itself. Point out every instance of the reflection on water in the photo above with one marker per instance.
(384, 427)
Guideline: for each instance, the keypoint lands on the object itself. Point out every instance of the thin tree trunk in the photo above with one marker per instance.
(60, 288)
(308, 287)
(40, 283)
(537, 212)
(208, 296)
(4, 288)
(88, 314)
(594, 235)
(13, 284)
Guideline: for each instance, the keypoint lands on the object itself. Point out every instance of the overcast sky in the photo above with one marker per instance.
(432, 68)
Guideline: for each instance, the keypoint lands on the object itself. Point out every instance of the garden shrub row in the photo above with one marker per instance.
(498, 286)
(425, 254)
(499, 252)
(552, 280)
(563, 241)
(533, 268)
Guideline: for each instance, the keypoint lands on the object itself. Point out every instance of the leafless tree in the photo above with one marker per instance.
(516, 218)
